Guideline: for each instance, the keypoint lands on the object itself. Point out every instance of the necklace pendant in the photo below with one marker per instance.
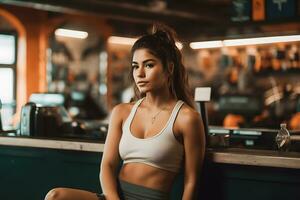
(152, 120)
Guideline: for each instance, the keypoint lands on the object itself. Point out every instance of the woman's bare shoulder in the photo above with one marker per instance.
(122, 110)
(188, 116)
(123, 107)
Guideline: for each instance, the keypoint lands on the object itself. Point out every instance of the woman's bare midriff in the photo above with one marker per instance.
(147, 176)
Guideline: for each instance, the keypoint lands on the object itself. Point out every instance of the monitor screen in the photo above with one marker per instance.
(240, 104)
(47, 99)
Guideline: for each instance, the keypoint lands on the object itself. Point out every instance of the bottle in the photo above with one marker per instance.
(283, 138)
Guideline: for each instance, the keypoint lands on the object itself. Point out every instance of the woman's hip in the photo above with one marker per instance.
(130, 191)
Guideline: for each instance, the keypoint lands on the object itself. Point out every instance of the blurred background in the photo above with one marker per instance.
(78, 55)
(65, 64)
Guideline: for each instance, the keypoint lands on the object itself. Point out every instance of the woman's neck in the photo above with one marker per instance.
(159, 100)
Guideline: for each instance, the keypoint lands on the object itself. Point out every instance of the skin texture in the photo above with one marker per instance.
(152, 80)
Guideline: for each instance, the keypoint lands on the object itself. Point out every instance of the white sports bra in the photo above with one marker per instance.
(161, 150)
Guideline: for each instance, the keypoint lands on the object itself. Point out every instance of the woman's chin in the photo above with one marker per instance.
(143, 90)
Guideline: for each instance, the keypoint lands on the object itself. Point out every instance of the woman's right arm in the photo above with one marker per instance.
(111, 159)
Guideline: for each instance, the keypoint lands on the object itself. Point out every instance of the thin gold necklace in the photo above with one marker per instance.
(154, 117)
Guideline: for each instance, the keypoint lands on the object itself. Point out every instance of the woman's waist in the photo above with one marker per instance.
(147, 176)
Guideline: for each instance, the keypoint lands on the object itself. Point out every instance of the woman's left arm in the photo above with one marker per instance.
(194, 148)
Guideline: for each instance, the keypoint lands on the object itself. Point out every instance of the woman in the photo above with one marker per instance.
(157, 135)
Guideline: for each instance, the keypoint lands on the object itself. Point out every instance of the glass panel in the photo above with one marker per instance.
(6, 85)
(7, 49)
(7, 97)
(7, 113)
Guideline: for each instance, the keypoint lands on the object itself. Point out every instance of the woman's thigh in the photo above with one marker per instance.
(70, 194)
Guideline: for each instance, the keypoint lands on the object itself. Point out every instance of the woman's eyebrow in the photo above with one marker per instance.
(145, 61)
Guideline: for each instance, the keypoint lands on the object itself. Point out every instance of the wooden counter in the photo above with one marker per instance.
(228, 156)
(29, 168)
(77, 145)
(264, 158)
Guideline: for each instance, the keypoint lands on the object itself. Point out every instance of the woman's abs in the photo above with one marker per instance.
(147, 176)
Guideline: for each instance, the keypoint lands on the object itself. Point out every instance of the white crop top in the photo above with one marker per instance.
(161, 150)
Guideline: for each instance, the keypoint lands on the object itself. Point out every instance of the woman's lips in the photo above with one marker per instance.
(142, 83)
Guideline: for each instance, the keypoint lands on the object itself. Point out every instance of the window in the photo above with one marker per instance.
(7, 78)
(7, 85)
(7, 49)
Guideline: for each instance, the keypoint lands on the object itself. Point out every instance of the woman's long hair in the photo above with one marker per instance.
(162, 44)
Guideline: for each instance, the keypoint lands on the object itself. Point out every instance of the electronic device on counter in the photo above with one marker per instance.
(243, 138)
(48, 121)
(46, 115)
(54, 122)
(242, 104)
(48, 99)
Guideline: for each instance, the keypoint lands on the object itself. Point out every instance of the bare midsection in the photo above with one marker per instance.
(147, 176)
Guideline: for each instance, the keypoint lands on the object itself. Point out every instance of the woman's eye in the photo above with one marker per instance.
(149, 65)
(135, 66)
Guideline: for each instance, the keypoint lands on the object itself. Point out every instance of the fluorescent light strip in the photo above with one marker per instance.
(121, 40)
(244, 42)
(206, 44)
(261, 40)
(71, 33)
(130, 41)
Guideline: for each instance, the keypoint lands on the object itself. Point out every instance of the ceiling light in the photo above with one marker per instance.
(261, 40)
(130, 41)
(206, 44)
(71, 33)
(121, 40)
(244, 42)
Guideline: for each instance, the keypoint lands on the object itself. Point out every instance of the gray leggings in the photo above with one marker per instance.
(129, 191)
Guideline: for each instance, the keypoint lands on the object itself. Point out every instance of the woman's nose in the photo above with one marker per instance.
(140, 72)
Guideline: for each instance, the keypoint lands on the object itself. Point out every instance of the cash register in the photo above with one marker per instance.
(45, 115)
(245, 136)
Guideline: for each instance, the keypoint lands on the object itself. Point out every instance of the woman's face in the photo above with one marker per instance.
(148, 72)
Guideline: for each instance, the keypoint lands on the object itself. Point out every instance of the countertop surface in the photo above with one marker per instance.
(65, 144)
(255, 157)
(252, 157)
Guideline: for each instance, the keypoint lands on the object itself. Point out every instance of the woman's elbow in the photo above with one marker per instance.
(106, 168)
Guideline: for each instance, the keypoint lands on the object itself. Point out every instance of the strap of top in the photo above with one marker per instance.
(133, 111)
(171, 119)
(175, 112)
